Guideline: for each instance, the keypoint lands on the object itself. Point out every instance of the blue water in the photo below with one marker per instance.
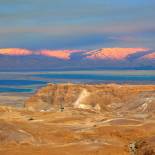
(100, 78)
(20, 82)
(16, 90)
(20, 86)
(13, 82)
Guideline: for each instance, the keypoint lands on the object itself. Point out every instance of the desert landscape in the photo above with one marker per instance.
(81, 119)
(77, 77)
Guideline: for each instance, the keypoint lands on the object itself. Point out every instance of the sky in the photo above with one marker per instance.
(77, 24)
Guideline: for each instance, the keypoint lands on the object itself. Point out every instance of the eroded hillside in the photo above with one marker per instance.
(67, 119)
(110, 98)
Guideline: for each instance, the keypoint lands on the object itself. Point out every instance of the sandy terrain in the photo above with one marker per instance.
(14, 99)
(72, 119)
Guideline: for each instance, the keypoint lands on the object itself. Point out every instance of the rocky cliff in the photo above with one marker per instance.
(107, 98)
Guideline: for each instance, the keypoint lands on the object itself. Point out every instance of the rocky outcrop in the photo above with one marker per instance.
(110, 97)
(145, 146)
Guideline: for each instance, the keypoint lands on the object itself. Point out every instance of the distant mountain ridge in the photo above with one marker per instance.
(105, 58)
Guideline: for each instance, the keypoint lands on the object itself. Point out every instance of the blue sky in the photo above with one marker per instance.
(77, 24)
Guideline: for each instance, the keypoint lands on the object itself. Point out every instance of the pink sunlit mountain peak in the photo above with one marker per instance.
(61, 54)
(15, 51)
(149, 56)
(113, 53)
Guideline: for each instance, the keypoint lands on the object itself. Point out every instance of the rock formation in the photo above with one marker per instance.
(81, 119)
(103, 98)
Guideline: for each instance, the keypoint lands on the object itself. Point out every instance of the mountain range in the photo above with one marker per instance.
(14, 59)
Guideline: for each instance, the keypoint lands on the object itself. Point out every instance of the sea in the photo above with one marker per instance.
(29, 82)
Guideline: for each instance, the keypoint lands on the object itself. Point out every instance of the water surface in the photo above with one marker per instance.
(31, 81)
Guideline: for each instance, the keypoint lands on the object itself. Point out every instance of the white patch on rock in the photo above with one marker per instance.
(97, 107)
(79, 103)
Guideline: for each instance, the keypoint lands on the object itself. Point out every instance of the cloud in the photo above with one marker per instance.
(45, 24)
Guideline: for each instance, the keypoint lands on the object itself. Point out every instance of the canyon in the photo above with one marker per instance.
(88, 119)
